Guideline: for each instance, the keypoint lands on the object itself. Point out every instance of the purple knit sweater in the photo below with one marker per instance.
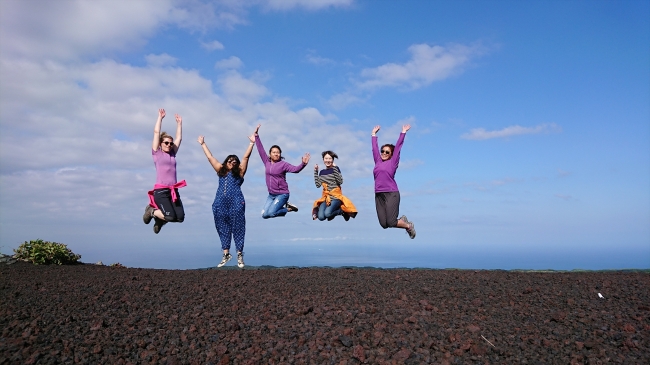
(384, 171)
(276, 173)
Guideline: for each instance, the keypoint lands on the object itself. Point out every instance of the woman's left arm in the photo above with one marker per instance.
(400, 142)
(179, 131)
(247, 155)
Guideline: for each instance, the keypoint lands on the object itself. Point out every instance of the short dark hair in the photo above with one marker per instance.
(223, 171)
(279, 149)
(331, 153)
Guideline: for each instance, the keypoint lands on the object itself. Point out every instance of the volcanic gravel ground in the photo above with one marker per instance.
(106, 315)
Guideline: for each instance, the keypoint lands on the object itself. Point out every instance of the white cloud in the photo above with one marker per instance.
(315, 59)
(229, 63)
(343, 100)
(213, 45)
(427, 65)
(515, 130)
(160, 60)
(307, 4)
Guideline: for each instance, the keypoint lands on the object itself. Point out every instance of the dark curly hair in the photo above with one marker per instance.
(331, 153)
(223, 171)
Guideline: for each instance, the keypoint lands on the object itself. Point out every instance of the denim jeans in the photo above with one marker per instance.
(329, 211)
(274, 206)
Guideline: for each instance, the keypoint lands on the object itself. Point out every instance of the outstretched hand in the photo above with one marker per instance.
(179, 119)
(405, 128)
(201, 140)
(252, 138)
(161, 113)
(376, 129)
(257, 129)
(305, 158)
(316, 167)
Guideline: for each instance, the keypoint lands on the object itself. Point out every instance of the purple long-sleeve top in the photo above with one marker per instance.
(276, 172)
(384, 171)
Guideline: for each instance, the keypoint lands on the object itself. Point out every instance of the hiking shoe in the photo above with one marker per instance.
(291, 207)
(404, 219)
(411, 230)
(158, 224)
(226, 258)
(148, 214)
(240, 259)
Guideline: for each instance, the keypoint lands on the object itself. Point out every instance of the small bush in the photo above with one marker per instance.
(42, 252)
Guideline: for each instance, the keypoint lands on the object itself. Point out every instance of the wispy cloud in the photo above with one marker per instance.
(337, 238)
(343, 100)
(315, 59)
(479, 134)
(427, 65)
(562, 173)
(160, 60)
(307, 4)
(212, 45)
(229, 63)
(564, 197)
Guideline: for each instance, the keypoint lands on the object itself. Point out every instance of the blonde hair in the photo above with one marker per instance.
(164, 135)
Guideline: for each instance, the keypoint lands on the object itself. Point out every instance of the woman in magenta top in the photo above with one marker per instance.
(164, 201)
(277, 203)
(386, 193)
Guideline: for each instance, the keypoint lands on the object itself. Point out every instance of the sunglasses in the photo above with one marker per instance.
(167, 143)
(385, 152)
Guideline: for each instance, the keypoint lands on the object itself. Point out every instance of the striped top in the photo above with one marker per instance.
(332, 177)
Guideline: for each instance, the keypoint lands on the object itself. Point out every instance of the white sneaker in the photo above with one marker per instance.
(240, 259)
(225, 259)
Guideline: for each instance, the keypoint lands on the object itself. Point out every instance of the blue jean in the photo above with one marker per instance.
(329, 211)
(274, 206)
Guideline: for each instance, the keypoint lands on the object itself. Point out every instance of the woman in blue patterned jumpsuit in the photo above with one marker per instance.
(229, 205)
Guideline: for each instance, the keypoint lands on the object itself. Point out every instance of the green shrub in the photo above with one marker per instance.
(42, 252)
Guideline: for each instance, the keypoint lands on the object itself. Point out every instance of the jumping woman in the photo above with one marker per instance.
(386, 192)
(164, 201)
(332, 202)
(229, 206)
(277, 204)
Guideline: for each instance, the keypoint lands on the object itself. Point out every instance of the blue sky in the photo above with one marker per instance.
(529, 147)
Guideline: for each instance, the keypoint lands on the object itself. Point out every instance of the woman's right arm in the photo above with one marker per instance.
(316, 177)
(216, 165)
(260, 148)
(375, 149)
(156, 130)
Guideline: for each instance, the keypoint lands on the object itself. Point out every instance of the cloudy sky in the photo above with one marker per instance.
(529, 147)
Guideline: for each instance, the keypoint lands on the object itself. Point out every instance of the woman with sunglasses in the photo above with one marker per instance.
(229, 206)
(277, 203)
(386, 193)
(332, 202)
(164, 201)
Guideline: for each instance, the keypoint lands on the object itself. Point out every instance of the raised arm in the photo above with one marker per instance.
(400, 142)
(316, 177)
(179, 131)
(156, 130)
(296, 169)
(216, 165)
(260, 147)
(244, 161)
(375, 149)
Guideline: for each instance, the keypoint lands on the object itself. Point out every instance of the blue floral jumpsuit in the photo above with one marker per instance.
(228, 210)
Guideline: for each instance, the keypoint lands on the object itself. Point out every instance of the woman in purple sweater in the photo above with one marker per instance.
(386, 192)
(277, 204)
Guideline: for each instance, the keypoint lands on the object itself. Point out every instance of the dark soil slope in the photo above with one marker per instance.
(102, 315)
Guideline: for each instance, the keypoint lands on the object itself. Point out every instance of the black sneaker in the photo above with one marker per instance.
(148, 214)
(158, 224)
(226, 257)
(346, 216)
(291, 207)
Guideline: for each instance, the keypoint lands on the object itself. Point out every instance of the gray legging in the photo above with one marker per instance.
(387, 205)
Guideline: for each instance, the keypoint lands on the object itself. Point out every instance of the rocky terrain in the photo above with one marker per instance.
(92, 314)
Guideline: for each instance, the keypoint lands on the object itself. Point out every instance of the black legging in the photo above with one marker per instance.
(173, 211)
